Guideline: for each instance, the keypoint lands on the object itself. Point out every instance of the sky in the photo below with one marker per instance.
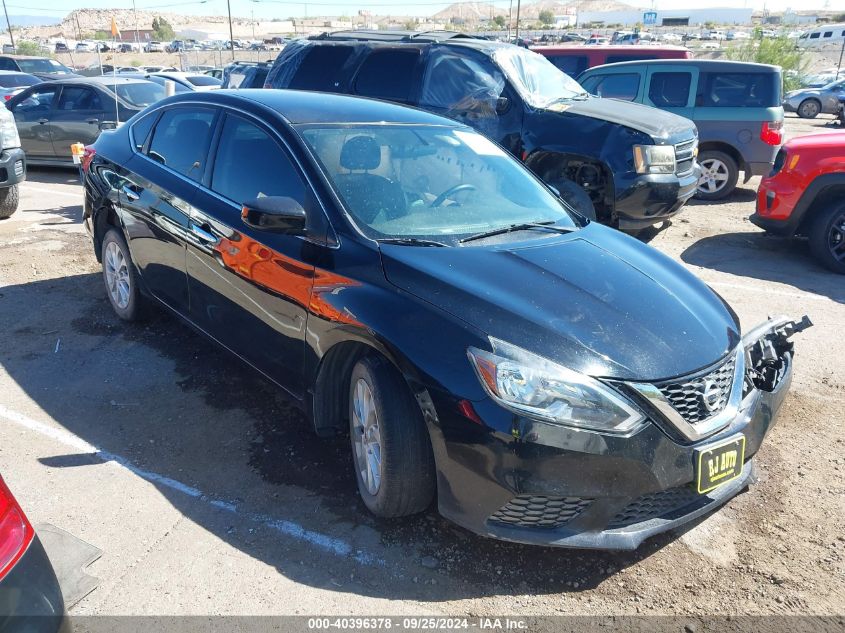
(267, 9)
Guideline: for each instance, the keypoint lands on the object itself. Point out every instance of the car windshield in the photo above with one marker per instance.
(140, 94)
(835, 84)
(43, 66)
(12, 81)
(425, 182)
(536, 79)
(203, 80)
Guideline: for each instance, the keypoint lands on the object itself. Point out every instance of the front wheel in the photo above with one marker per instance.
(719, 173)
(827, 238)
(121, 279)
(391, 450)
(8, 201)
(809, 109)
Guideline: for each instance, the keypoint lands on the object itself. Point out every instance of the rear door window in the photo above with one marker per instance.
(75, 98)
(321, 68)
(572, 65)
(180, 140)
(388, 74)
(737, 90)
(8, 64)
(618, 86)
(670, 90)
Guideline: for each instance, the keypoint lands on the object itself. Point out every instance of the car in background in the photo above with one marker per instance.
(245, 74)
(597, 41)
(671, 37)
(217, 73)
(84, 47)
(61, 47)
(129, 47)
(808, 103)
(194, 81)
(572, 37)
(410, 283)
(737, 35)
(160, 80)
(158, 69)
(804, 195)
(574, 60)
(13, 82)
(128, 69)
(622, 163)
(42, 67)
(153, 47)
(53, 115)
(735, 106)
(30, 596)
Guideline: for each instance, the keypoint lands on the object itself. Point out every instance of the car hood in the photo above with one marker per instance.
(660, 125)
(803, 92)
(596, 301)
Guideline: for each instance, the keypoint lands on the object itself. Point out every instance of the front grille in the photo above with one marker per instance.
(658, 504)
(688, 398)
(540, 511)
(685, 157)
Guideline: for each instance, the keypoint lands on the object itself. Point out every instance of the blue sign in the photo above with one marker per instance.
(650, 18)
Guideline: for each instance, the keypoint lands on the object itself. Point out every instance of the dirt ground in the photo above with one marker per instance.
(209, 494)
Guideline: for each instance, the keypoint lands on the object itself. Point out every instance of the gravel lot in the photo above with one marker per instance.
(211, 496)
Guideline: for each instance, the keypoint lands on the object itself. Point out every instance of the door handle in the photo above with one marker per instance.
(43, 121)
(204, 235)
(92, 121)
(131, 195)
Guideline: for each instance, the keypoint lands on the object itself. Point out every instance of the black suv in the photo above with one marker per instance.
(623, 163)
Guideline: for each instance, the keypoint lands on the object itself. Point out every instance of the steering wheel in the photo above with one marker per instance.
(451, 190)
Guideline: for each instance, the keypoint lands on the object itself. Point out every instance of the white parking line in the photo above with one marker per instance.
(77, 195)
(325, 542)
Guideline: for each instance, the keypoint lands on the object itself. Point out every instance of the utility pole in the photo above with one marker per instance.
(231, 34)
(9, 25)
(518, 3)
(137, 39)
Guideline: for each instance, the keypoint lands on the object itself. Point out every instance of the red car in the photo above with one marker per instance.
(804, 195)
(575, 59)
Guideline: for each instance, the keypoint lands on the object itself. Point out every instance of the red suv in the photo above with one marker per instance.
(805, 195)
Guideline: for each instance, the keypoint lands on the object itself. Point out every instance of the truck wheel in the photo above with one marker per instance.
(8, 201)
(121, 279)
(719, 173)
(575, 197)
(391, 450)
(827, 238)
(809, 109)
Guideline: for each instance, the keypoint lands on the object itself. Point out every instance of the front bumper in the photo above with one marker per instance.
(777, 198)
(649, 199)
(12, 167)
(547, 485)
(30, 596)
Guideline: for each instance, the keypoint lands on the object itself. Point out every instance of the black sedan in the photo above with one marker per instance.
(30, 596)
(545, 378)
(53, 115)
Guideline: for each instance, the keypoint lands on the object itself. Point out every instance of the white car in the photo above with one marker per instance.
(671, 37)
(84, 47)
(711, 45)
(194, 81)
(154, 47)
(739, 35)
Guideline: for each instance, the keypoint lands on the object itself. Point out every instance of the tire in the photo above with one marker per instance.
(405, 482)
(575, 197)
(719, 173)
(827, 237)
(809, 108)
(8, 201)
(121, 278)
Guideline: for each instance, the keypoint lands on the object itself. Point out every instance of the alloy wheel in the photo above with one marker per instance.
(367, 437)
(118, 281)
(809, 109)
(836, 238)
(714, 175)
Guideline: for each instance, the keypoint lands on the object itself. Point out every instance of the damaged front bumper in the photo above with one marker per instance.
(564, 487)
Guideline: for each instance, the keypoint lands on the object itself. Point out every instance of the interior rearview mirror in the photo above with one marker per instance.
(275, 214)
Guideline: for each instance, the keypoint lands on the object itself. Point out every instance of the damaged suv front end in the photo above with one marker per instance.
(685, 449)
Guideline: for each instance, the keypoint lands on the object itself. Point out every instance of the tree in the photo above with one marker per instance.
(162, 30)
(500, 21)
(780, 51)
(25, 47)
(546, 17)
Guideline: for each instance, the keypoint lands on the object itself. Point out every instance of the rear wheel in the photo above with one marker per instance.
(809, 109)
(121, 279)
(719, 173)
(8, 201)
(391, 450)
(827, 238)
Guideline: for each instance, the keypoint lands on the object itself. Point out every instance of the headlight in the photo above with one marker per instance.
(654, 159)
(539, 388)
(8, 130)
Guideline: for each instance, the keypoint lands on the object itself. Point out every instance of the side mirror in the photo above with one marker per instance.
(275, 214)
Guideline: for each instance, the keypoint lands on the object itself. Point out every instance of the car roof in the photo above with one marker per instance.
(621, 48)
(710, 65)
(392, 36)
(102, 80)
(13, 72)
(304, 107)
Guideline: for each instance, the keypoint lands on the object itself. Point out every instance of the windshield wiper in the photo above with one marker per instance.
(410, 241)
(523, 226)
